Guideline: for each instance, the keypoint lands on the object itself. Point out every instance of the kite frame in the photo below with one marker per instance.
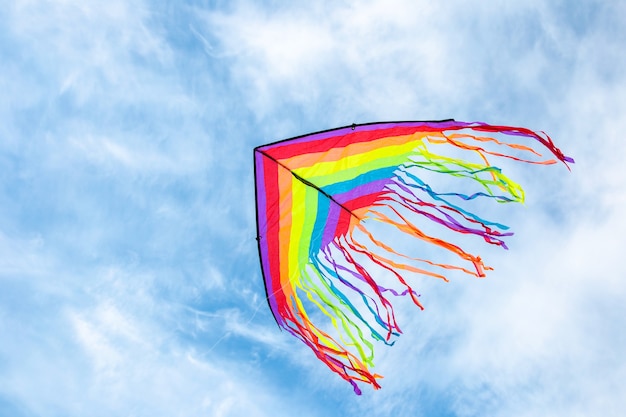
(353, 126)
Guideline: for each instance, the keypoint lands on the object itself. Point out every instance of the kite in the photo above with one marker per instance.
(334, 206)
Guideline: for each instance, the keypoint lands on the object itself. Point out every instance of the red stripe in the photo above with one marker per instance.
(343, 224)
(286, 149)
(345, 216)
(270, 174)
(363, 201)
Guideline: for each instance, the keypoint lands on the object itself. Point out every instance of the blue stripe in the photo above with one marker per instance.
(371, 176)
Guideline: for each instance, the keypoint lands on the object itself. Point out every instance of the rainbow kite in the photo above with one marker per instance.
(333, 208)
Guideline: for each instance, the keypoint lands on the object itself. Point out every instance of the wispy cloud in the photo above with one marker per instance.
(128, 271)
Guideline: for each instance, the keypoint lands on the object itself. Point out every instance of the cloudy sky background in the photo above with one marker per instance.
(129, 277)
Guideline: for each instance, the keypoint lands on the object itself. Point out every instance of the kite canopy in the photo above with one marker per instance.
(322, 199)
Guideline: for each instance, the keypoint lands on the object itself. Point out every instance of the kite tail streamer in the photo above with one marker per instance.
(331, 275)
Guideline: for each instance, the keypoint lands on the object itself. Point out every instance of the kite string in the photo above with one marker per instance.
(228, 332)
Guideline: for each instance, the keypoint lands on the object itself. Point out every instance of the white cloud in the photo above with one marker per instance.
(126, 236)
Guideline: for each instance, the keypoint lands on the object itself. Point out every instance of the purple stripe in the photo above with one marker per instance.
(260, 193)
(361, 190)
(261, 202)
(331, 224)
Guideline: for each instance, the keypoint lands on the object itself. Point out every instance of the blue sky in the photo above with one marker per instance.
(129, 277)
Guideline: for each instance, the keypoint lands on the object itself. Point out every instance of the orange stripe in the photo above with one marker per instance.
(336, 154)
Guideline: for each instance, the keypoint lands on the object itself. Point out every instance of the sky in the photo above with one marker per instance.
(129, 276)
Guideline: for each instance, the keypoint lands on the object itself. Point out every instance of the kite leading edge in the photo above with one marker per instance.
(328, 202)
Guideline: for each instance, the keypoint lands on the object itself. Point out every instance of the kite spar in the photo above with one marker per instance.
(330, 270)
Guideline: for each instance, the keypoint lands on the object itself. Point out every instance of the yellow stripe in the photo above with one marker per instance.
(330, 172)
(298, 217)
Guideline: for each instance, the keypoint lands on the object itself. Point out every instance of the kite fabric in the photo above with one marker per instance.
(333, 206)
